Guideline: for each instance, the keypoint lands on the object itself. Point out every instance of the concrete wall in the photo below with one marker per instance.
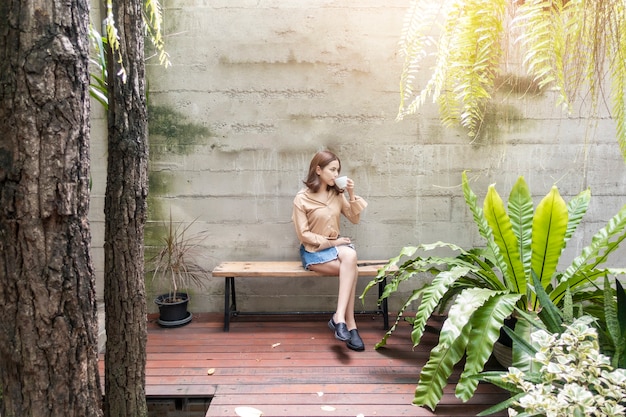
(257, 87)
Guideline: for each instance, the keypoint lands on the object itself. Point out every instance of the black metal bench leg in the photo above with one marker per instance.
(384, 304)
(226, 304)
(233, 305)
(230, 303)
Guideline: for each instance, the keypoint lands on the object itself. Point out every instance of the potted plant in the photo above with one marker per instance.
(174, 270)
(487, 284)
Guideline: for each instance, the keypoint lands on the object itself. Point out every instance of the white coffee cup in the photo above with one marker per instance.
(341, 182)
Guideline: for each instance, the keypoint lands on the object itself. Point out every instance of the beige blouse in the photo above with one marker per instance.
(317, 222)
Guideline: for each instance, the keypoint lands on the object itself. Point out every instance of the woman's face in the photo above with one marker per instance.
(329, 173)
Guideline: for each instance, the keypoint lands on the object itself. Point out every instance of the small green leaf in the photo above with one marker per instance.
(549, 313)
(610, 314)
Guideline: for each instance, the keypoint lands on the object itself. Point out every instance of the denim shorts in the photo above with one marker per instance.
(320, 257)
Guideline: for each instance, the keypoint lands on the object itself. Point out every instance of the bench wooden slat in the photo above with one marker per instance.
(230, 270)
(284, 269)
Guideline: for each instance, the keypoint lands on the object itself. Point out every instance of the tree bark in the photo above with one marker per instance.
(125, 214)
(48, 331)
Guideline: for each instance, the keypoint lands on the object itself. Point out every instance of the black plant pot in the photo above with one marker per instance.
(173, 310)
(504, 338)
(502, 348)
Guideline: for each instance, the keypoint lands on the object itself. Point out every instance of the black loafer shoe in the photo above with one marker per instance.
(341, 332)
(331, 324)
(355, 342)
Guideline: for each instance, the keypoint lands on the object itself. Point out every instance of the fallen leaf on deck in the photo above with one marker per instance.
(210, 371)
(248, 412)
(275, 345)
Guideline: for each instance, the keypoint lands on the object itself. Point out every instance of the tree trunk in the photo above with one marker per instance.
(48, 331)
(125, 214)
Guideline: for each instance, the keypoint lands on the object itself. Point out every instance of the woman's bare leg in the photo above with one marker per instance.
(350, 319)
(347, 270)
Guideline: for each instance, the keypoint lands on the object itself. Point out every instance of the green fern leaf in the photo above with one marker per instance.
(604, 242)
(483, 227)
(384, 271)
(584, 275)
(520, 206)
(412, 268)
(408, 303)
(522, 357)
(549, 228)
(549, 313)
(503, 235)
(451, 347)
(431, 298)
(576, 209)
(610, 315)
(485, 323)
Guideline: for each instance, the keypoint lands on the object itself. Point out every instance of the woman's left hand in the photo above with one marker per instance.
(350, 188)
(350, 185)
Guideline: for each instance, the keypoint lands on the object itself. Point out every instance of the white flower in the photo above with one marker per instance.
(603, 360)
(612, 410)
(617, 377)
(574, 393)
(574, 378)
(514, 376)
(543, 338)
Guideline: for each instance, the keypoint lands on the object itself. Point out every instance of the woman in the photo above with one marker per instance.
(316, 216)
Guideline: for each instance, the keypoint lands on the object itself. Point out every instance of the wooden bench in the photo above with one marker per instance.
(292, 269)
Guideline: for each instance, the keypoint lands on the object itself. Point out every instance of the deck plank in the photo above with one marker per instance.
(293, 366)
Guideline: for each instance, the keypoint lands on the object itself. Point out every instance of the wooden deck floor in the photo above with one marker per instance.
(294, 367)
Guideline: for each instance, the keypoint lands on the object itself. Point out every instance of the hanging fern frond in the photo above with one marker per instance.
(415, 45)
(542, 23)
(617, 52)
(113, 39)
(153, 18)
(468, 56)
(447, 73)
(576, 26)
(566, 45)
(484, 62)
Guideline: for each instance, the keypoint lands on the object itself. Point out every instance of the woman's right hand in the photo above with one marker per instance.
(341, 241)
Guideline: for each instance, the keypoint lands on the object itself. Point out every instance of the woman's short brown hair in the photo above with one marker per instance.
(321, 159)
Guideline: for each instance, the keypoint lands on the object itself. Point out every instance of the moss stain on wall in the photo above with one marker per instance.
(170, 134)
(500, 115)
